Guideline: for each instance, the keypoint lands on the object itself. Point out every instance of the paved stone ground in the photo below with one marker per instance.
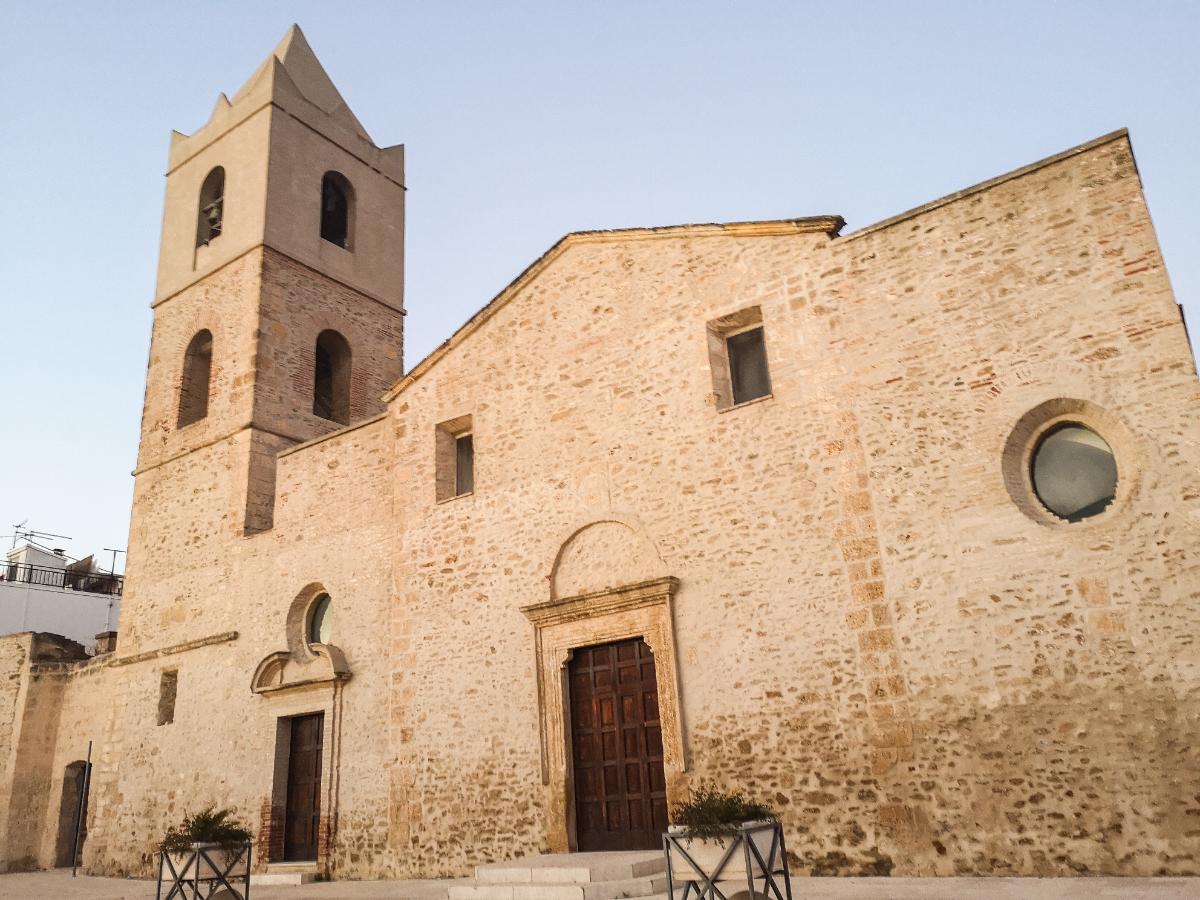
(58, 885)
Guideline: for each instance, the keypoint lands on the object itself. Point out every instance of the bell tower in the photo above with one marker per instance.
(278, 309)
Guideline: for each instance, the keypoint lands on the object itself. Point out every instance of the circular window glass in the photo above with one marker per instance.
(1074, 472)
(318, 621)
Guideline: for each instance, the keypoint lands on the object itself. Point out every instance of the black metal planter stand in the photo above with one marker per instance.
(775, 885)
(204, 870)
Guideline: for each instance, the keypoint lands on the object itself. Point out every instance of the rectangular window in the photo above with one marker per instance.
(168, 686)
(454, 459)
(464, 465)
(748, 365)
(737, 355)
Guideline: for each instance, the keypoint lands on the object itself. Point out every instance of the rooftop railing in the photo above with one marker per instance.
(63, 579)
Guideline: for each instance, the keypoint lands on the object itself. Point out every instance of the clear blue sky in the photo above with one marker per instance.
(523, 122)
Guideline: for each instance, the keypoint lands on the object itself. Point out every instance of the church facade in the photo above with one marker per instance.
(898, 531)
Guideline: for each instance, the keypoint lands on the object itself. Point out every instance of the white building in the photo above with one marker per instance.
(41, 590)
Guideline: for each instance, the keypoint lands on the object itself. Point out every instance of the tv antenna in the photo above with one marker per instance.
(33, 536)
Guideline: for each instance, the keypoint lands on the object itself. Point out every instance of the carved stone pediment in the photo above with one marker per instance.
(598, 603)
(324, 665)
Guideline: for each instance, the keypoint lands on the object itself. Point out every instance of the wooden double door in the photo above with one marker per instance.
(616, 748)
(302, 809)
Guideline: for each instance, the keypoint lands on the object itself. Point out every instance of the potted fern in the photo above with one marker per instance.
(206, 845)
(708, 822)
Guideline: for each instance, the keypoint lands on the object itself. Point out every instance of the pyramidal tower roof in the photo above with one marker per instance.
(294, 64)
(291, 79)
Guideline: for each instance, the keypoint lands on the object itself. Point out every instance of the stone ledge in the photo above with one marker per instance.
(222, 638)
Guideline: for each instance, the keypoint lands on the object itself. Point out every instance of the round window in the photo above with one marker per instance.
(318, 621)
(1074, 472)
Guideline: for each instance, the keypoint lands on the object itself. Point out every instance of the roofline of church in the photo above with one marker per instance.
(337, 432)
(989, 184)
(830, 225)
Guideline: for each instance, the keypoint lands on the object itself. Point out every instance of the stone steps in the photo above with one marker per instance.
(285, 874)
(573, 868)
(569, 876)
(264, 879)
(614, 889)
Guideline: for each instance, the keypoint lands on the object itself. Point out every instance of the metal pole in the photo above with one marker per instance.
(114, 559)
(87, 778)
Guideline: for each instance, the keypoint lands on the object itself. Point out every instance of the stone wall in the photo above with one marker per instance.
(35, 680)
(919, 674)
(221, 747)
(14, 667)
(299, 303)
(202, 487)
(876, 631)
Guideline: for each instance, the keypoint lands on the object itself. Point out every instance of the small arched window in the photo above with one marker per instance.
(212, 207)
(318, 621)
(331, 378)
(197, 372)
(337, 210)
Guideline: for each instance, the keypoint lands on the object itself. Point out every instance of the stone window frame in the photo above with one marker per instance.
(299, 619)
(333, 346)
(445, 457)
(642, 610)
(334, 180)
(210, 207)
(303, 663)
(336, 184)
(718, 332)
(194, 394)
(1026, 436)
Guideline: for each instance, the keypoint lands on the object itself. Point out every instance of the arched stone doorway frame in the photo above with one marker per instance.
(563, 624)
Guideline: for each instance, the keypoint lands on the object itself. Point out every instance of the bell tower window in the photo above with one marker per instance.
(331, 378)
(337, 209)
(212, 207)
(197, 373)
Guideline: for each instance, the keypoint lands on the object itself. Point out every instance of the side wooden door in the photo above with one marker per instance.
(302, 812)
